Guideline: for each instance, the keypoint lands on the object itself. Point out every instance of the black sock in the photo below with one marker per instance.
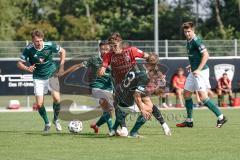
(167, 100)
(219, 100)
(230, 100)
(163, 100)
(157, 114)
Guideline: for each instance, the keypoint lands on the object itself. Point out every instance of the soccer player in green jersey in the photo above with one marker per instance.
(40, 54)
(133, 96)
(198, 78)
(101, 87)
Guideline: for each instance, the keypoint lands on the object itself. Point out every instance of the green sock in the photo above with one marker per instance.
(43, 114)
(56, 110)
(189, 107)
(139, 122)
(209, 103)
(120, 119)
(109, 123)
(103, 119)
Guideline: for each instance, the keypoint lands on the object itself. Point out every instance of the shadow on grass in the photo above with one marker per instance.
(60, 134)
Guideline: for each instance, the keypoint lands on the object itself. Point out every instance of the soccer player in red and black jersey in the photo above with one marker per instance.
(121, 58)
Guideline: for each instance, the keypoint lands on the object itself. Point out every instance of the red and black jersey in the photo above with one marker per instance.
(122, 63)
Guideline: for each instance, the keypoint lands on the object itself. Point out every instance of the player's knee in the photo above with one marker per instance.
(178, 92)
(103, 102)
(56, 101)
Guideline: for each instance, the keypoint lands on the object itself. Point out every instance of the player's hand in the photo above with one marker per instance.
(60, 72)
(31, 68)
(196, 72)
(146, 114)
(101, 71)
(188, 68)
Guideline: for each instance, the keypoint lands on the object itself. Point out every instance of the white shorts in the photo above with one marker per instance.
(104, 94)
(41, 87)
(198, 83)
(132, 109)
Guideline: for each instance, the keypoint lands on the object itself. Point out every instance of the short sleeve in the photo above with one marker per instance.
(55, 48)
(200, 46)
(137, 53)
(174, 79)
(142, 83)
(24, 56)
(106, 59)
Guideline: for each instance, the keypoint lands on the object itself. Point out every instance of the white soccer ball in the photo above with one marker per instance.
(75, 126)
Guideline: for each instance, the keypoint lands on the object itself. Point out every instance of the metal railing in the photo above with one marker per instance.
(167, 48)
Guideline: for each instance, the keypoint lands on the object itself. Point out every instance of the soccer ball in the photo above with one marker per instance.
(75, 126)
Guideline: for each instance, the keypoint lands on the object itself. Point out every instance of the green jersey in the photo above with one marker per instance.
(43, 59)
(104, 82)
(195, 48)
(135, 80)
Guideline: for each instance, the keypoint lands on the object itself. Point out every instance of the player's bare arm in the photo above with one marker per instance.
(188, 68)
(62, 55)
(72, 69)
(219, 85)
(22, 66)
(145, 106)
(101, 71)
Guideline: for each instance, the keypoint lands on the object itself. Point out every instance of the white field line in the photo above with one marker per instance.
(85, 108)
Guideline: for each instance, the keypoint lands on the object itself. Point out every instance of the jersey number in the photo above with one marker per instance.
(130, 77)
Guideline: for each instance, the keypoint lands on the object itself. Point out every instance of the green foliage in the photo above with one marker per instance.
(50, 32)
(96, 19)
(215, 34)
(78, 28)
(7, 18)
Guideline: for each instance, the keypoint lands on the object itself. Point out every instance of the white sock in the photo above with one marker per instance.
(164, 125)
(220, 117)
(189, 119)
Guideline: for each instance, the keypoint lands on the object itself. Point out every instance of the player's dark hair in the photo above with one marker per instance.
(187, 25)
(115, 37)
(180, 69)
(37, 33)
(102, 43)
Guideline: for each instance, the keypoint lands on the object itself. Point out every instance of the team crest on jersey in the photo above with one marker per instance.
(128, 58)
(224, 68)
(41, 60)
(46, 52)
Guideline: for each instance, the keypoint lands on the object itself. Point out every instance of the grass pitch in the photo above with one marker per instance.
(21, 139)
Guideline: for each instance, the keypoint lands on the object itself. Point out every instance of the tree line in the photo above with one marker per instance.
(134, 19)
